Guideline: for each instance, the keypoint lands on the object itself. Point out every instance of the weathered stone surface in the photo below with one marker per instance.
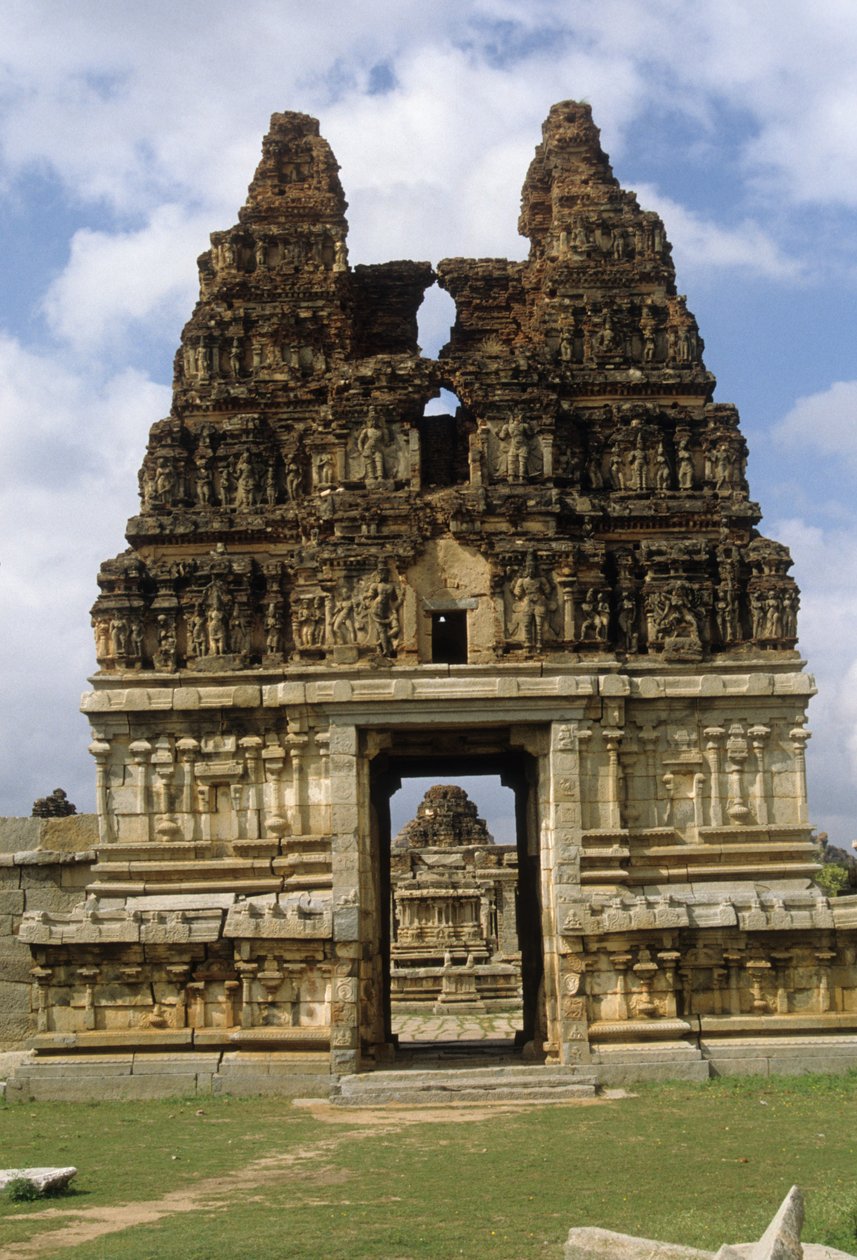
(587, 1242)
(46, 1180)
(562, 583)
(781, 1239)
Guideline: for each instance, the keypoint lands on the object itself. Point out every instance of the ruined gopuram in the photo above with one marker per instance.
(327, 590)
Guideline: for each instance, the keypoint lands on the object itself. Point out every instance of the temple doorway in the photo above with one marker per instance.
(459, 932)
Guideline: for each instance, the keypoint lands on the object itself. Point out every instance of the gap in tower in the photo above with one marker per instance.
(435, 318)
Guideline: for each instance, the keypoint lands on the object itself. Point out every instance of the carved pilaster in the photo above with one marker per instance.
(274, 763)
(251, 746)
(296, 743)
(100, 750)
(733, 961)
(799, 738)
(758, 738)
(620, 964)
(612, 739)
(823, 958)
(736, 758)
(713, 745)
(141, 752)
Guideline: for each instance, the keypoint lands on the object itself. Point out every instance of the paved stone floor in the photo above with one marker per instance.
(462, 1027)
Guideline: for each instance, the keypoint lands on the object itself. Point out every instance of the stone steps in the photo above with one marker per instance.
(536, 1084)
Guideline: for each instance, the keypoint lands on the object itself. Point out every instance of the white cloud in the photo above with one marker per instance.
(69, 447)
(116, 281)
(702, 246)
(157, 111)
(826, 570)
(825, 422)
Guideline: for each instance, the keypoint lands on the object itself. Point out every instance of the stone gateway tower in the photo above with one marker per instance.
(325, 590)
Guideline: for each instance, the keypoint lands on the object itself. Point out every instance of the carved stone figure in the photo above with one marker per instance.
(197, 632)
(165, 653)
(627, 620)
(724, 467)
(639, 466)
(294, 478)
(663, 472)
(344, 622)
(204, 466)
(684, 464)
(516, 442)
(216, 625)
(726, 611)
(532, 593)
(382, 599)
(119, 635)
(372, 445)
(325, 465)
(274, 625)
(674, 617)
(247, 488)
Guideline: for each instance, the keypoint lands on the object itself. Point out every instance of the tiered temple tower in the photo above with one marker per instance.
(562, 583)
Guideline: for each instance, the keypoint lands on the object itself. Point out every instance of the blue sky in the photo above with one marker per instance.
(129, 131)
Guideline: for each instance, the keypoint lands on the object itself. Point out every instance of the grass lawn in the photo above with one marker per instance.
(260, 1178)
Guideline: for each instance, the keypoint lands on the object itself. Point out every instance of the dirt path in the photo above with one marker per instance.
(86, 1224)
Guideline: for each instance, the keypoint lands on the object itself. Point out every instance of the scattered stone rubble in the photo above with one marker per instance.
(780, 1241)
(46, 1180)
(562, 583)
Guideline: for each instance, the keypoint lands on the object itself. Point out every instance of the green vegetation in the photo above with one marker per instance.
(22, 1190)
(256, 1178)
(832, 879)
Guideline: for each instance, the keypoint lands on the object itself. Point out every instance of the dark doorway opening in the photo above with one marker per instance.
(459, 933)
(449, 637)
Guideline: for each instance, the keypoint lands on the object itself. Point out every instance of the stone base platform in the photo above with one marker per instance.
(699, 1059)
(495, 1084)
(90, 1077)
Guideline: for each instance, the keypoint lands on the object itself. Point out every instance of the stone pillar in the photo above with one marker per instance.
(88, 976)
(163, 768)
(736, 757)
(713, 744)
(612, 739)
(649, 742)
(274, 764)
(620, 964)
(252, 746)
(782, 960)
(567, 583)
(758, 737)
(247, 972)
(669, 960)
(42, 977)
(733, 960)
(296, 744)
(353, 895)
(188, 750)
(823, 957)
(141, 751)
(799, 737)
(100, 749)
(563, 957)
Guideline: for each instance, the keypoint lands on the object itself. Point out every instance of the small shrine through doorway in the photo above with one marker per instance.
(459, 883)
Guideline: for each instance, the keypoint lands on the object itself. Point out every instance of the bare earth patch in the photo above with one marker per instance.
(85, 1225)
